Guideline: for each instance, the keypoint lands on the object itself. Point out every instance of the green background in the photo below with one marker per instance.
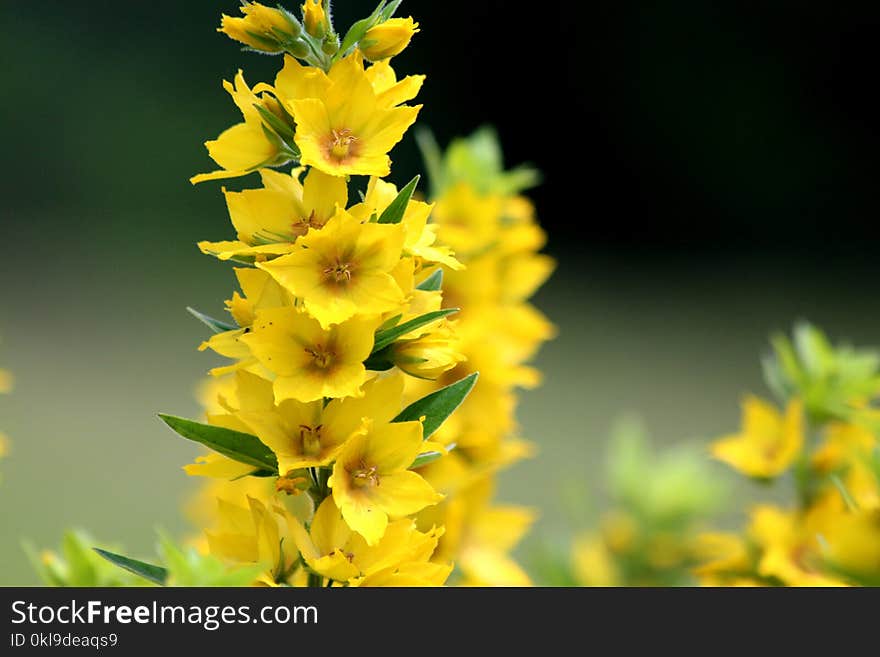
(105, 109)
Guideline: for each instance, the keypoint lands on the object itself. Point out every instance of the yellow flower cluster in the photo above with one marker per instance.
(334, 462)
(493, 231)
(825, 439)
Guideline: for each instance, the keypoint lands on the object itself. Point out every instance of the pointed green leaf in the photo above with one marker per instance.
(433, 283)
(241, 447)
(387, 336)
(439, 405)
(280, 127)
(429, 457)
(393, 214)
(425, 458)
(155, 574)
(390, 323)
(214, 324)
(388, 12)
(357, 31)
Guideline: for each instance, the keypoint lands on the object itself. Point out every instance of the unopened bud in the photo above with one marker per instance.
(330, 45)
(314, 18)
(388, 39)
(262, 28)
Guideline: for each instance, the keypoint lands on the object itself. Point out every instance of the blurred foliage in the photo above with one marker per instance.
(658, 502)
(77, 564)
(834, 382)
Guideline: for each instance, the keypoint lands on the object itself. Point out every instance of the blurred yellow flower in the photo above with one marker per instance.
(769, 441)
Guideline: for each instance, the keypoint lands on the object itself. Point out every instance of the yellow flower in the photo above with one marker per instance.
(388, 39)
(592, 563)
(244, 147)
(252, 535)
(769, 441)
(267, 221)
(389, 91)
(334, 551)
(790, 543)
(479, 535)
(311, 434)
(260, 291)
(842, 443)
(467, 221)
(310, 362)
(853, 545)
(408, 574)
(430, 355)
(420, 236)
(260, 28)
(346, 131)
(314, 18)
(723, 557)
(371, 480)
(343, 270)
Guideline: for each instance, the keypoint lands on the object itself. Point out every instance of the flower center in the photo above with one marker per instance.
(311, 439)
(321, 357)
(341, 144)
(339, 272)
(365, 476)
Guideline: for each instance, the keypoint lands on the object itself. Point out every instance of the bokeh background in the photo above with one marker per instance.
(710, 176)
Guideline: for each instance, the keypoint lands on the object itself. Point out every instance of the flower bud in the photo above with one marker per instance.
(262, 28)
(314, 18)
(388, 39)
(428, 356)
(330, 45)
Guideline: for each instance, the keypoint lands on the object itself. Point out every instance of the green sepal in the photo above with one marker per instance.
(387, 336)
(425, 458)
(438, 406)
(214, 324)
(155, 574)
(241, 447)
(393, 214)
(280, 127)
(433, 283)
(357, 31)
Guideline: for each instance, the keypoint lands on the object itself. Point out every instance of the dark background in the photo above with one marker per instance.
(709, 177)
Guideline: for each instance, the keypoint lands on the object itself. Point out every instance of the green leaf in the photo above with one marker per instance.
(387, 336)
(214, 324)
(425, 458)
(390, 323)
(241, 447)
(439, 405)
(429, 457)
(155, 574)
(433, 283)
(280, 127)
(388, 12)
(357, 31)
(393, 214)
